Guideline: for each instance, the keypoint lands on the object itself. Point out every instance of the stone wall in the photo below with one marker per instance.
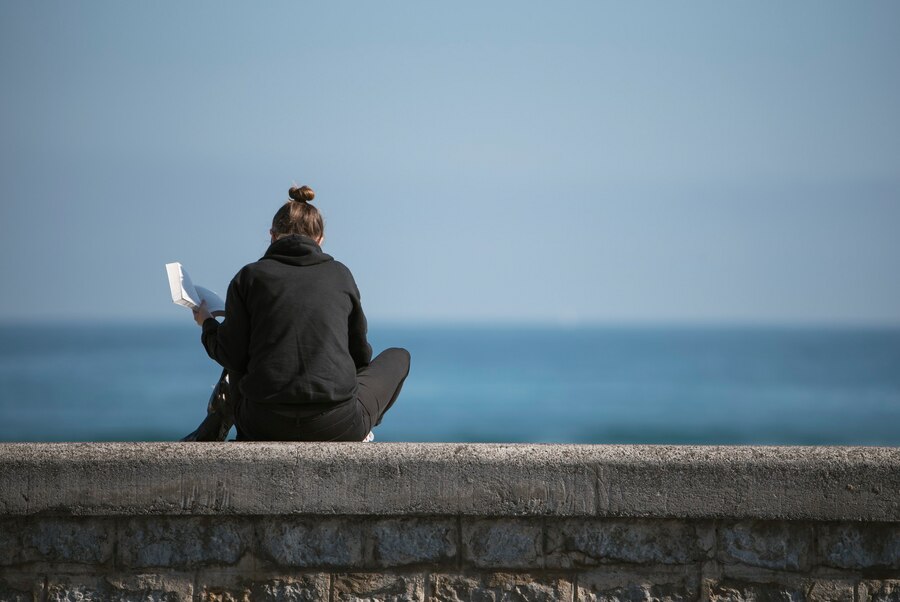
(447, 522)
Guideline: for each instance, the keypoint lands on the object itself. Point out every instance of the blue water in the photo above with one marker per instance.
(580, 385)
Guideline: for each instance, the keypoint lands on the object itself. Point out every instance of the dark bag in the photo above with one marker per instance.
(219, 412)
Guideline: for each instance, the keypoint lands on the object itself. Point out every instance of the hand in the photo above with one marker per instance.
(201, 314)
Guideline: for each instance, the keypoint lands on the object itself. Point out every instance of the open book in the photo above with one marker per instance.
(184, 292)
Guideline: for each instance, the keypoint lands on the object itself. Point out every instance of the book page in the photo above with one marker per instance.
(214, 303)
(181, 287)
(185, 293)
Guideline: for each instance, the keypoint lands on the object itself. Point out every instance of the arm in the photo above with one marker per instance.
(360, 349)
(228, 343)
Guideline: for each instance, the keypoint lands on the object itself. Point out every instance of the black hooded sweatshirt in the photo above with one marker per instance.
(294, 328)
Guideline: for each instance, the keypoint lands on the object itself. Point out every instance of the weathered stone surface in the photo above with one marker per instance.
(498, 509)
(660, 584)
(580, 542)
(817, 586)
(11, 595)
(879, 591)
(182, 542)
(779, 587)
(616, 584)
(73, 590)
(68, 540)
(289, 478)
(860, 546)
(129, 588)
(305, 542)
(768, 544)
(414, 541)
(10, 544)
(500, 587)
(503, 543)
(636, 592)
(105, 479)
(825, 590)
(23, 589)
(296, 588)
(169, 587)
(291, 590)
(379, 587)
(56, 540)
(461, 588)
(733, 591)
(518, 587)
(796, 483)
(223, 595)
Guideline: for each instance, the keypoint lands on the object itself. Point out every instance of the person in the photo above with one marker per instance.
(293, 343)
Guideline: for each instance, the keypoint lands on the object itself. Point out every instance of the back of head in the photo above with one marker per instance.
(297, 216)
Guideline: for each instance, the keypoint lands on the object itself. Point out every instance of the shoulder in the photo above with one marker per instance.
(344, 271)
(346, 276)
(248, 273)
(248, 270)
(340, 267)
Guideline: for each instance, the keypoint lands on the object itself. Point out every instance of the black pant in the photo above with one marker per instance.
(378, 385)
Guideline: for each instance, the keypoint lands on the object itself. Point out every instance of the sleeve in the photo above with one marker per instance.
(228, 343)
(360, 349)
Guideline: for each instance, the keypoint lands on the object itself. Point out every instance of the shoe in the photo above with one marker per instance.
(369, 438)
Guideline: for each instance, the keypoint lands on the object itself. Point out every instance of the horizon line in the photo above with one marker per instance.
(376, 323)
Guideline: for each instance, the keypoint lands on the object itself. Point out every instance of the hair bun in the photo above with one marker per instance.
(302, 194)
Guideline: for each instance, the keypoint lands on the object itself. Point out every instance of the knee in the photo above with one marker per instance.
(401, 355)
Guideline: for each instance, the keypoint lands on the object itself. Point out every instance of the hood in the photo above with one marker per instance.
(296, 250)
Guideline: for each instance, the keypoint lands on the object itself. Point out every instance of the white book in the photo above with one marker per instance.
(185, 293)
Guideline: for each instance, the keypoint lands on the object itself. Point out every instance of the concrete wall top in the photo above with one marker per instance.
(816, 483)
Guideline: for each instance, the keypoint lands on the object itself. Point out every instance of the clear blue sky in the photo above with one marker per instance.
(554, 162)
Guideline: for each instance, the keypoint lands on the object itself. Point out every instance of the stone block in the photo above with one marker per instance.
(56, 540)
(736, 591)
(860, 545)
(500, 587)
(636, 592)
(379, 587)
(10, 544)
(879, 591)
(21, 588)
(586, 542)
(767, 544)
(309, 589)
(183, 542)
(819, 586)
(303, 542)
(503, 543)
(223, 595)
(128, 588)
(75, 589)
(461, 588)
(404, 542)
(825, 590)
(401, 479)
(13, 595)
(518, 587)
(749, 482)
(615, 584)
(295, 588)
(780, 587)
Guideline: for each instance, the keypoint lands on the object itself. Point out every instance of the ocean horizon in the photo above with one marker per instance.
(541, 383)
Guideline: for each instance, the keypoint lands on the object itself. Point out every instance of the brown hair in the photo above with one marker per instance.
(297, 216)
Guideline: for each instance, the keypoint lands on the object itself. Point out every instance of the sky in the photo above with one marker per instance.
(563, 163)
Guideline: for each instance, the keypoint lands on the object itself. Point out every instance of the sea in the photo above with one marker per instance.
(538, 384)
